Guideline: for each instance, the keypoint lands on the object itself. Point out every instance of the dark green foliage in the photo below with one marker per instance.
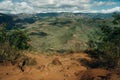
(18, 39)
(3, 33)
(10, 44)
(116, 18)
(111, 46)
(107, 53)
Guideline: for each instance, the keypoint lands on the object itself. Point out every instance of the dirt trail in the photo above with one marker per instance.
(56, 67)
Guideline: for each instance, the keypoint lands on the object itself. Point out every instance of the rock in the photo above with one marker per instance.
(56, 62)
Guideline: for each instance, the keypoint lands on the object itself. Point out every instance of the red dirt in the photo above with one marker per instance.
(56, 67)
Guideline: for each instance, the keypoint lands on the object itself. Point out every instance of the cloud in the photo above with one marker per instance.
(58, 4)
(8, 6)
(104, 3)
(22, 7)
(115, 9)
(38, 6)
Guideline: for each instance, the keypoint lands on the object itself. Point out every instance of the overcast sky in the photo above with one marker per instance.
(43, 6)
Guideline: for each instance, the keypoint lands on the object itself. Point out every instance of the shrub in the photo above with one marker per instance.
(107, 53)
(19, 39)
(16, 38)
(3, 33)
(11, 43)
(7, 53)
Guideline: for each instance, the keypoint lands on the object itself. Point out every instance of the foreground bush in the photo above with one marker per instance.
(11, 44)
(7, 53)
(18, 39)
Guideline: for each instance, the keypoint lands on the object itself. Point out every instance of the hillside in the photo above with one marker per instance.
(58, 32)
(60, 46)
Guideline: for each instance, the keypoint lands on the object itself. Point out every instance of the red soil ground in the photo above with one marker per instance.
(55, 67)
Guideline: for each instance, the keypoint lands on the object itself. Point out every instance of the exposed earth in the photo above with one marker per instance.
(56, 67)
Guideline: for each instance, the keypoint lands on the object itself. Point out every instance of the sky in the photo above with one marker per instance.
(44, 6)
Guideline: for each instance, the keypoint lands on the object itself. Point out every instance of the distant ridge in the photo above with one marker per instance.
(12, 19)
(62, 14)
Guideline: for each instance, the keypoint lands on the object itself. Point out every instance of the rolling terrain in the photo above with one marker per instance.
(63, 46)
(60, 32)
(56, 67)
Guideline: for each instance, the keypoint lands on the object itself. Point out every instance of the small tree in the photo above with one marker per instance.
(19, 39)
(3, 33)
(116, 19)
(11, 42)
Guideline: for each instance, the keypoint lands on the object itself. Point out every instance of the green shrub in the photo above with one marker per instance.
(16, 38)
(116, 18)
(19, 39)
(3, 33)
(107, 52)
(11, 43)
(7, 53)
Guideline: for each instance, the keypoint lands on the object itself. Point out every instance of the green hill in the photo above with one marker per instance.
(58, 32)
(61, 34)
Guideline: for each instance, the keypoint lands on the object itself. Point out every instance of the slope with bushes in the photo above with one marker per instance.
(107, 51)
(61, 34)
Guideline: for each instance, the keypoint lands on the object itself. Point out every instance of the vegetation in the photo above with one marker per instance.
(107, 52)
(7, 53)
(10, 44)
(19, 39)
(66, 34)
(60, 37)
(59, 33)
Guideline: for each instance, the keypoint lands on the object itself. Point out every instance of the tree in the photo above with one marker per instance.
(116, 18)
(11, 42)
(19, 39)
(3, 33)
(16, 38)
